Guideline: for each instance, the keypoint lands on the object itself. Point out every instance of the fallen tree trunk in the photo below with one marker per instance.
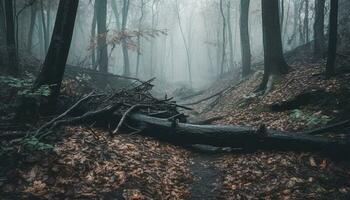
(232, 136)
(133, 111)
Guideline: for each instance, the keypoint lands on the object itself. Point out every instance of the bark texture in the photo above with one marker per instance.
(274, 62)
(53, 68)
(245, 41)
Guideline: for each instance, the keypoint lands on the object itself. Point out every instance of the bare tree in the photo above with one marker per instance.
(114, 7)
(319, 37)
(101, 16)
(274, 63)
(139, 36)
(245, 41)
(223, 55)
(230, 38)
(126, 4)
(306, 22)
(53, 68)
(92, 39)
(33, 13)
(332, 43)
(44, 26)
(185, 42)
(11, 38)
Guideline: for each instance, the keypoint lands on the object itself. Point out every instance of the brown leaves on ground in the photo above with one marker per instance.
(281, 175)
(243, 108)
(88, 164)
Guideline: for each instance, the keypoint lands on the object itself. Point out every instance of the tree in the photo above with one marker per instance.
(102, 51)
(230, 36)
(126, 4)
(33, 13)
(306, 22)
(44, 26)
(2, 27)
(319, 38)
(274, 62)
(92, 39)
(223, 55)
(185, 42)
(245, 42)
(139, 37)
(10, 39)
(332, 43)
(114, 7)
(53, 68)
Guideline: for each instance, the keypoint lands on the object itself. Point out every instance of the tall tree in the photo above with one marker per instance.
(185, 42)
(230, 35)
(2, 33)
(53, 68)
(223, 55)
(92, 39)
(102, 51)
(245, 41)
(44, 26)
(33, 12)
(319, 38)
(306, 22)
(332, 43)
(126, 4)
(114, 7)
(274, 62)
(139, 36)
(11, 38)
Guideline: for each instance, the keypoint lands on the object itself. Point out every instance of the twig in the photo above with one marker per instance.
(47, 125)
(121, 122)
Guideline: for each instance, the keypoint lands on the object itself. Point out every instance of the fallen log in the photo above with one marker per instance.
(119, 110)
(232, 136)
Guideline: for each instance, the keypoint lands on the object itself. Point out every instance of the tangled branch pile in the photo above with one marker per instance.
(110, 110)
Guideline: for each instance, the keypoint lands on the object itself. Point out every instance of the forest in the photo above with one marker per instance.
(175, 99)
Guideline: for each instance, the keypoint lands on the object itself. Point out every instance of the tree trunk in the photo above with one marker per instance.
(231, 136)
(274, 63)
(333, 34)
(53, 68)
(43, 23)
(245, 42)
(295, 24)
(319, 43)
(139, 38)
(33, 13)
(114, 7)
(281, 7)
(48, 19)
(10, 39)
(102, 51)
(230, 36)
(2, 33)
(223, 55)
(185, 43)
(93, 38)
(306, 22)
(126, 4)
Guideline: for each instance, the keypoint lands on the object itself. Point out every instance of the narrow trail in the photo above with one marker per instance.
(206, 175)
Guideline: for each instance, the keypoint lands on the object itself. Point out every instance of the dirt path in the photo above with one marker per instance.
(206, 175)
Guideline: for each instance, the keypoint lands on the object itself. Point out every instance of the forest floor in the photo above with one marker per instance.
(86, 163)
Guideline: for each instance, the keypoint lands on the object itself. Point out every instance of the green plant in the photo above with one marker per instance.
(24, 86)
(312, 119)
(34, 144)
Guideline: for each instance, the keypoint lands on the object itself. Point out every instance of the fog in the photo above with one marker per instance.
(177, 37)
